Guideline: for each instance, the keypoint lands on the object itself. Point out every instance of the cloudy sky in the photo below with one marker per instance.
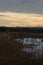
(21, 13)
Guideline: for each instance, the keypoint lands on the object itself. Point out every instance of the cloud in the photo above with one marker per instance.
(2, 15)
(29, 6)
(20, 19)
(28, 1)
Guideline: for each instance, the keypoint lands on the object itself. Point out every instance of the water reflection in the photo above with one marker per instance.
(32, 45)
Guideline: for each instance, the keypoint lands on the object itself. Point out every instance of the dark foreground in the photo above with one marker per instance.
(23, 32)
(11, 53)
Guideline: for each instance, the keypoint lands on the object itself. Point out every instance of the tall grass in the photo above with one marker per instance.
(11, 53)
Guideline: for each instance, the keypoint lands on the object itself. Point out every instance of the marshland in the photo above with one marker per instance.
(20, 48)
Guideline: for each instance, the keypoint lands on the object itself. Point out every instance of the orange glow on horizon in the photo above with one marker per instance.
(20, 19)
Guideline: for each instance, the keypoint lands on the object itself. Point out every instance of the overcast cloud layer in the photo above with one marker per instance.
(32, 6)
(21, 13)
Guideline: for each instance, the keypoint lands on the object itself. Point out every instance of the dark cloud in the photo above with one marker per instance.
(22, 6)
(27, 1)
(2, 15)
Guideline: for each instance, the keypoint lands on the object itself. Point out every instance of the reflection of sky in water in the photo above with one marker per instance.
(37, 45)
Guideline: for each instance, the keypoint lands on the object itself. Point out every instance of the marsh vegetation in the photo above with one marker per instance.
(19, 50)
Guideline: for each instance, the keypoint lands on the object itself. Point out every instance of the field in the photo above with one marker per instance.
(24, 35)
(10, 49)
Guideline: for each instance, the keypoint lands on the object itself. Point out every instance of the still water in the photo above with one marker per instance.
(32, 45)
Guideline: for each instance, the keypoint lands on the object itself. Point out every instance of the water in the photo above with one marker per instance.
(32, 45)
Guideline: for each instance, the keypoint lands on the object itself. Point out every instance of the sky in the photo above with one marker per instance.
(27, 13)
